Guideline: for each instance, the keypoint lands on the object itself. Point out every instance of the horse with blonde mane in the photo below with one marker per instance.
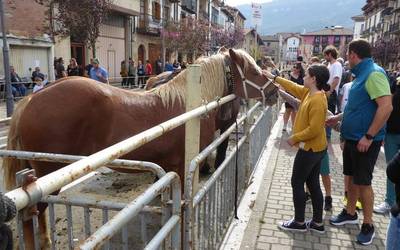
(79, 116)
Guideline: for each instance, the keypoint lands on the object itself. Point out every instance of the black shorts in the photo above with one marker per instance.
(360, 165)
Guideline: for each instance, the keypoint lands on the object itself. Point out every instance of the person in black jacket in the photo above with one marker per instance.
(393, 232)
(7, 212)
(16, 83)
(73, 68)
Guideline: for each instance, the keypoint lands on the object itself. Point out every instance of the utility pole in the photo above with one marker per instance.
(162, 35)
(6, 58)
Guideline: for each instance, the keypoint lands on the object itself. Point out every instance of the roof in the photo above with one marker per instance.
(334, 31)
(259, 40)
(234, 11)
(358, 18)
(272, 38)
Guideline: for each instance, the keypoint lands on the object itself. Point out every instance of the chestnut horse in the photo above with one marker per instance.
(80, 116)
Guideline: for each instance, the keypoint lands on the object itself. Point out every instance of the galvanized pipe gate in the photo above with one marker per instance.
(208, 209)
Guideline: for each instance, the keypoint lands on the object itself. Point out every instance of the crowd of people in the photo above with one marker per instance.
(361, 100)
(132, 74)
(143, 71)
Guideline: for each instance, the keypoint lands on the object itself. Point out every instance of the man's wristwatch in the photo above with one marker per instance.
(369, 137)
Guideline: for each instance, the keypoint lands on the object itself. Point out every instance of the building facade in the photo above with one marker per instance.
(289, 48)
(252, 43)
(271, 47)
(29, 41)
(359, 23)
(315, 42)
(382, 30)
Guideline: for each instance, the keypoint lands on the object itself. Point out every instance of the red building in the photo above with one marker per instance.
(315, 42)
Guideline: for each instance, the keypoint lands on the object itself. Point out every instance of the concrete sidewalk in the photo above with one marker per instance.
(274, 204)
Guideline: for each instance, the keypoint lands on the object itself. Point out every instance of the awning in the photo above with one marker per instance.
(123, 10)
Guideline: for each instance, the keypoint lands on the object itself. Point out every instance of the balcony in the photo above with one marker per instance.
(149, 25)
(395, 28)
(365, 32)
(189, 5)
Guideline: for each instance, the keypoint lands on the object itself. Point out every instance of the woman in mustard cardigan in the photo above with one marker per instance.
(310, 138)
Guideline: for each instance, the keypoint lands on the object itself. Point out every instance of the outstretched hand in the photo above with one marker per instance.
(333, 120)
(268, 74)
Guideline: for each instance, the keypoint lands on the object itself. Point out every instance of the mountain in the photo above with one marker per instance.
(303, 15)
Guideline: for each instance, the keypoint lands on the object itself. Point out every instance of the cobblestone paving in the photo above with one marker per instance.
(263, 233)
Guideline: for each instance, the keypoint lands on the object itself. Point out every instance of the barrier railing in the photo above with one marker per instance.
(46, 185)
(211, 209)
(172, 225)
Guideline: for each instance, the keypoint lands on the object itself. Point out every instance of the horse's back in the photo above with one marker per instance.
(57, 118)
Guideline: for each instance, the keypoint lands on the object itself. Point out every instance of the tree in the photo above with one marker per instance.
(80, 20)
(385, 51)
(230, 37)
(187, 36)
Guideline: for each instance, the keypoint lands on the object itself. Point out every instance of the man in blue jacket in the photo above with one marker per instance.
(363, 130)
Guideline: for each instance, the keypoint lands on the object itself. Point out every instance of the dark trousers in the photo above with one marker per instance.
(306, 169)
(332, 104)
(141, 81)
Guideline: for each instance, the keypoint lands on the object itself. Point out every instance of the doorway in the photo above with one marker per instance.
(141, 53)
(111, 65)
(78, 52)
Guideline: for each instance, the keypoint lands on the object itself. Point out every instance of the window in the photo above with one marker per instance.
(324, 40)
(317, 39)
(316, 50)
(337, 39)
(156, 11)
(166, 13)
(214, 15)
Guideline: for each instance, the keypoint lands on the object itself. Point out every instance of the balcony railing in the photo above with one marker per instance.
(395, 28)
(365, 32)
(149, 25)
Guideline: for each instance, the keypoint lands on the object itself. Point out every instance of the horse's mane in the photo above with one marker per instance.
(212, 80)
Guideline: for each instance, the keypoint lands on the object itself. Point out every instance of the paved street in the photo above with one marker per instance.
(275, 204)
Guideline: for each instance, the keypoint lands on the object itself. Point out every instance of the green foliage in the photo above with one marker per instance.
(79, 19)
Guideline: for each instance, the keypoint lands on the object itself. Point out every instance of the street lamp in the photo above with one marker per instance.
(6, 58)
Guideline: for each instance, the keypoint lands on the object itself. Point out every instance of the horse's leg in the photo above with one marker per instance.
(45, 241)
(221, 150)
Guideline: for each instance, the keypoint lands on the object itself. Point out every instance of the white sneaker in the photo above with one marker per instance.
(382, 208)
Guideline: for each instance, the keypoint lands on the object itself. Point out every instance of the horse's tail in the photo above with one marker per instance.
(11, 165)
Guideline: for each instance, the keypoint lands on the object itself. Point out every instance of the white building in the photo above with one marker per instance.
(359, 23)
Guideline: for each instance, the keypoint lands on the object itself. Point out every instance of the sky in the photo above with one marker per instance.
(240, 2)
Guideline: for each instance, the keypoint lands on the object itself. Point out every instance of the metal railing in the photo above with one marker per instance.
(42, 187)
(210, 210)
(120, 220)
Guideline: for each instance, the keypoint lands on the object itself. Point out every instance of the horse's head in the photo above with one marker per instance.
(249, 80)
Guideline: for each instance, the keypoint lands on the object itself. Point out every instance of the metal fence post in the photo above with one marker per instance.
(192, 131)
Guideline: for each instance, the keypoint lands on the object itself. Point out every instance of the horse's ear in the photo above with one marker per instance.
(235, 57)
(222, 49)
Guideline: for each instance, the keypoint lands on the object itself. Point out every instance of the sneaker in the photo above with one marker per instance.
(292, 225)
(359, 205)
(328, 203)
(308, 197)
(314, 227)
(344, 218)
(383, 208)
(367, 234)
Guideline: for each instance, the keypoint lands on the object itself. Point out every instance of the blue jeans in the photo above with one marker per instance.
(392, 146)
(393, 233)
